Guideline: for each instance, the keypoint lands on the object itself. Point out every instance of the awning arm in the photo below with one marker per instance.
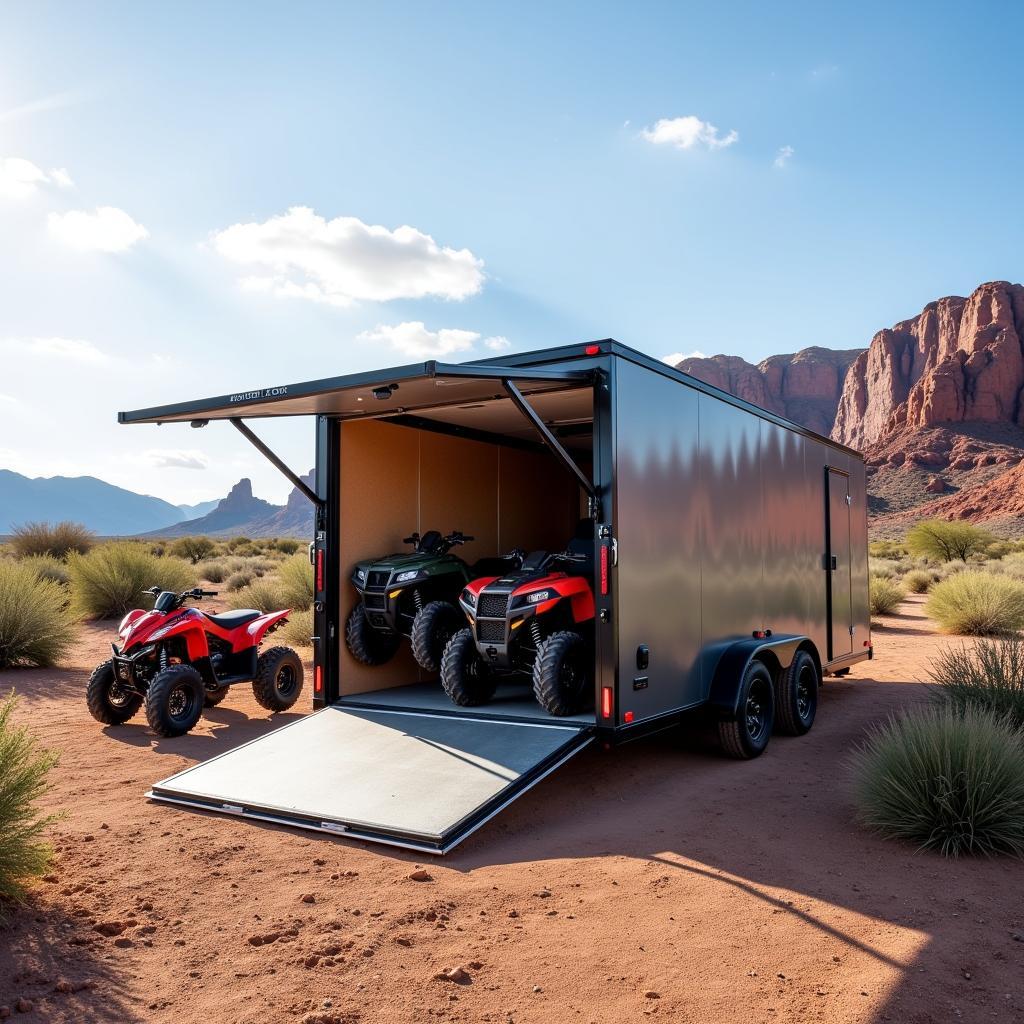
(554, 445)
(264, 450)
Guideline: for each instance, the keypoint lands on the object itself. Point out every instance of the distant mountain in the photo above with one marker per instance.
(102, 507)
(195, 511)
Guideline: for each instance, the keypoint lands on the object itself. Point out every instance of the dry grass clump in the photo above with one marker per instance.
(46, 567)
(58, 540)
(919, 581)
(977, 604)
(988, 676)
(298, 630)
(110, 580)
(240, 579)
(948, 781)
(296, 576)
(37, 628)
(264, 594)
(884, 595)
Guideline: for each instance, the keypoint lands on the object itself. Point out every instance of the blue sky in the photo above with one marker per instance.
(819, 173)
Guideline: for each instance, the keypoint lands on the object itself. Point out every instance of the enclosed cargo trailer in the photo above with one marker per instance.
(729, 575)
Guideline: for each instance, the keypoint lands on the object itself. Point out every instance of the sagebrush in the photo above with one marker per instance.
(59, 540)
(262, 594)
(296, 579)
(37, 627)
(884, 595)
(111, 578)
(298, 630)
(974, 603)
(988, 675)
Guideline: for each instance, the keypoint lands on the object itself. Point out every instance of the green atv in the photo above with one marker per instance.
(414, 595)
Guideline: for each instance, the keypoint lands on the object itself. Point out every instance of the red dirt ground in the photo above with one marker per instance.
(660, 881)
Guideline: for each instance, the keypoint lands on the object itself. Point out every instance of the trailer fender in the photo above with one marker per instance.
(776, 653)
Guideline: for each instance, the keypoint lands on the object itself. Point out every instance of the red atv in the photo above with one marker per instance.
(176, 660)
(536, 621)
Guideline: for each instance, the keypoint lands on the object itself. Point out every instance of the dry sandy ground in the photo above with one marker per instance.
(659, 881)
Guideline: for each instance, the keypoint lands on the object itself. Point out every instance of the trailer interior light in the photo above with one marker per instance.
(592, 350)
(318, 679)
(628, 717)
(606, 702)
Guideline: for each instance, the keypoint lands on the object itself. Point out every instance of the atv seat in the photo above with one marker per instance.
(232, 620)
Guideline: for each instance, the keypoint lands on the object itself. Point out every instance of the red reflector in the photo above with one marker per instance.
(759, 634)
(318, 679)
(604, 568)
(592, 350)
(867, 643)
(628, 717)
(606, 702)
(320, 569)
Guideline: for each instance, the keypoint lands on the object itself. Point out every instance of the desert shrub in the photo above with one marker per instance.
(882, 568)
(1012, 565)
(37, 628)
(110, 579)
(60, 540)
(194, 549)
(240, 545)
(946, 541)
(918, 581)
(287, 545)
(298, 630)
(884, 595)
(997, 549)
(215, 570)
(988, 676)
(946, 780)
(24, 768)
(264, 594)
(241, 578)
(977, 604)
(886, 549)
(296, 579)
(46, 567)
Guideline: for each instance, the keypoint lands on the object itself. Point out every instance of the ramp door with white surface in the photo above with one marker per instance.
(414, 779)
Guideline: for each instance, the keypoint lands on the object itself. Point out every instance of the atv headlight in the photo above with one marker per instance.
(404, 577)
(469, 598)
(537, 596)
(361, 575)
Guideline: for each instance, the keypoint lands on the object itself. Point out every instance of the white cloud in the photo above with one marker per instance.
(177, 458)
(21, 179)
(498, 343)
(675, 358)
(688, 132)
(414, 340)
(783, 156)
(107, 229)
(342, 261)
(61, 348)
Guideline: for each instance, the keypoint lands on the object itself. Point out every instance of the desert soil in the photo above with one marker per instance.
(658, 881)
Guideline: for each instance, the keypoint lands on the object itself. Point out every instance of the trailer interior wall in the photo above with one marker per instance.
(720, 520)
(399, 479)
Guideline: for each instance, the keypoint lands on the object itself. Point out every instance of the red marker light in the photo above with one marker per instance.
(318, 679)
(604, 568)
(628, 717)
(320, 569)
(592, 350)
(606, 702)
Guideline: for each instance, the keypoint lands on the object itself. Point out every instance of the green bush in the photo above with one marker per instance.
(215, 571)
(194, 549)
(37, 628)
(24, 768)
(918, 581)
(287, 545)
(110, 580)
(948, 781)
(298, 630)
(46, 567)
(43, 539)
(945, 541)
(885, 596)
(977, 604)
(296, 576)
(988, 676)
(264, 594)
(886, 549)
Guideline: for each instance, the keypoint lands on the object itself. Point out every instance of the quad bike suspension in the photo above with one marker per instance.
(417, 600)
(535, 633)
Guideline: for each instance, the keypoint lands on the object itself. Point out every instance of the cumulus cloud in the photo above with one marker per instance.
(21, 179)
(782, 157)
(62, 348)
(499, 343)
(105, 229)
(177, 458)
(413, 339)
(688, 132)
(301, 255)
(675, 358)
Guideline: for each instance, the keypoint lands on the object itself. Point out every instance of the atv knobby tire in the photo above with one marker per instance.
(746, 734)
(435, 624)
(561, 678)
(174, 700)
(465, 677)
(108, 702)
(278, 680)
(214, 697)
(796, 696)
(366, 644)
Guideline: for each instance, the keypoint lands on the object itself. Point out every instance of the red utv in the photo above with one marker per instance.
(537, 621)
(176, 660)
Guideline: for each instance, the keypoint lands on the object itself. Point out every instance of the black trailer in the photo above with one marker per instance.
(728, 542)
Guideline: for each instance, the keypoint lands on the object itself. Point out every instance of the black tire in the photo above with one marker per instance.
(796, 696)
(366, 644)
(747, 734)
(562, 680)
(174, 700)
(108, 703)
(278, 680)
(466, 678)
(435, 624)
(214, 697)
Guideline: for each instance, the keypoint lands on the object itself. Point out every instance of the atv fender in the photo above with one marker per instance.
(776, 652)
(258, 628)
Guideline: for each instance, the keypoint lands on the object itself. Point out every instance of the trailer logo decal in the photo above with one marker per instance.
(249, 396)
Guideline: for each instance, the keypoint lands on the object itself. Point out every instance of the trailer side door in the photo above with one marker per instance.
(838, 563)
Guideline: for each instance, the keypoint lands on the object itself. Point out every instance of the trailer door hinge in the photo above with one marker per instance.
(849, 500)
(615, 551)
(852, 628)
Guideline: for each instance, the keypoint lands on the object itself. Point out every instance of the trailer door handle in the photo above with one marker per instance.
(615, 551)
(829, 563)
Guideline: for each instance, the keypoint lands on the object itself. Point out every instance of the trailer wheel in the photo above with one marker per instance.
(561, 680)
(278, 680)
(174, 700)
(368, 645)
(214, 697)
(435, 624)
(796, 696)
(747, 734)
(465, 677)
(108, 702)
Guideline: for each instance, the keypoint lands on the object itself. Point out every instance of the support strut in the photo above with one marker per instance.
(269, 455)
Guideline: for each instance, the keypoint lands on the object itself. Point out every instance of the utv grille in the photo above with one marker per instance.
(492, 632)
(492, 606)
(378, 601)
(378, 580)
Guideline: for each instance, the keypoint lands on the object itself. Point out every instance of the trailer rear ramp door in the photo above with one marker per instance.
(422, 781)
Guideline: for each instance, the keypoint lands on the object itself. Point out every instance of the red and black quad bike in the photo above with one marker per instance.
(537, 621)
(176, 660)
